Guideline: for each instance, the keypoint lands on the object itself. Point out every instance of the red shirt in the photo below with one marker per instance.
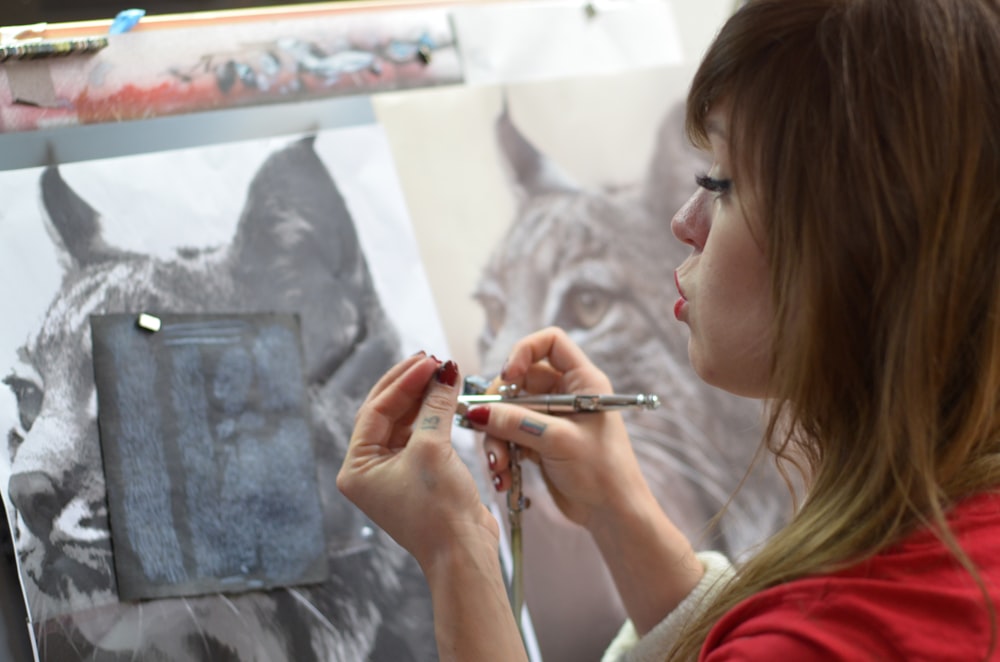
(911, 602)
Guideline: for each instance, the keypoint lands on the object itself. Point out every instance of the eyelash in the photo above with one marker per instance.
(720, 186)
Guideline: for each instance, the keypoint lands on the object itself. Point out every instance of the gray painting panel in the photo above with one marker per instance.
(208, 454)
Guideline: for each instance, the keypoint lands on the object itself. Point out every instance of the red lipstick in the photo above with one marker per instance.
(681, 302)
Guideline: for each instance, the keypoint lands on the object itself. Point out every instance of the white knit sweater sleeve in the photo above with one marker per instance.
(628, 646)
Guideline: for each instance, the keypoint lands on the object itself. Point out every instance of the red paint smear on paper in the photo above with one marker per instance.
(131, 102)
(134, 102)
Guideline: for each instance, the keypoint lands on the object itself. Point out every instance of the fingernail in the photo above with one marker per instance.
(436, 359)
(478, 415)
(420, 353)
(497, 482)
(447, 373)
(491, 459)
(503, 372)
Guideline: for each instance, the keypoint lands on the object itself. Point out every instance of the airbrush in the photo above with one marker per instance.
(474, 392)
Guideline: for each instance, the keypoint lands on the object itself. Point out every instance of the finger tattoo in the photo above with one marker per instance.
(430, 423)
(532, 427)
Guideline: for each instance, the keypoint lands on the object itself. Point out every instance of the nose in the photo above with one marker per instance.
(692, 221)
(38, 499)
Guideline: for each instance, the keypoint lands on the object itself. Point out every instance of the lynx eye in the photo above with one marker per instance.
(584, 307)
(29, 399)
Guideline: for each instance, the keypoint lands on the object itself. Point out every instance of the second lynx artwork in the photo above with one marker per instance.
(550, 204)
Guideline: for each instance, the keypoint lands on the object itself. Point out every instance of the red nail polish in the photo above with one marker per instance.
(478, 415)
(447, 373)
(491, 459)
(497, 482)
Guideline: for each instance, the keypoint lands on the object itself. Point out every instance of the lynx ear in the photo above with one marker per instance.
(294, 214)
(74, 225)
(527, 168)
(296, 249)
(672, 169)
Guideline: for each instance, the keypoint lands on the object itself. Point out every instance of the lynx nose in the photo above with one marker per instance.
(38, 500)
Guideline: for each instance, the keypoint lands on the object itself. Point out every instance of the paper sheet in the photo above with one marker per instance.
(518, 42)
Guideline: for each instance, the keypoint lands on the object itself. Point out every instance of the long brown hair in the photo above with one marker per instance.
(868, 132)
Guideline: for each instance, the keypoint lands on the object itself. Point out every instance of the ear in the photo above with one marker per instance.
(74, 225)
(296, 249)
(528, 169)
(674, 164)
(294, 215)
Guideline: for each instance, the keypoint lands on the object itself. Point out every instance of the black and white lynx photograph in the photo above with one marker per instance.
(284, 228)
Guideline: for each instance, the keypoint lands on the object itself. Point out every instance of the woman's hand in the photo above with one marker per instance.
(592, 474)
(586, 459)
(401, 468)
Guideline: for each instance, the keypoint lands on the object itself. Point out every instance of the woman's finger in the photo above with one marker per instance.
(381, 414)
(437, 410)
(405, 392)
(551, 344)
(497, 454)
(534, 432)
(398, 437)
(498, 457)
(542, 378)
(395, 372)
(404, 426)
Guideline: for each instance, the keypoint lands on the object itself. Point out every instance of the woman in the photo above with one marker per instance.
(845, 268)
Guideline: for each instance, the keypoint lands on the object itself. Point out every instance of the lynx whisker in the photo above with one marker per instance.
(239, 613)
(295, 593)
(194, 621)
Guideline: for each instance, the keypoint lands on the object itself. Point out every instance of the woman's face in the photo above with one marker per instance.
(724, 284)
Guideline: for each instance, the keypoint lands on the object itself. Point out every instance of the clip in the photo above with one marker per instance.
(126, 20)
(148, 322)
